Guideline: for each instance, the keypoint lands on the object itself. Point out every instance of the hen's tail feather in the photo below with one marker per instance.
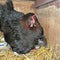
(9, 4)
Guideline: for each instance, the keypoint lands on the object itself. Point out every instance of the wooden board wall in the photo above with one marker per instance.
(49, 18)
(24, 6)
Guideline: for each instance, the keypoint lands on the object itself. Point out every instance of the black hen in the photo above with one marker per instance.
(8, 13)
(21, 32)
(25, 34)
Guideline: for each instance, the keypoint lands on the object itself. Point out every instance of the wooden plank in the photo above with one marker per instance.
(45, 3)
(49, 18)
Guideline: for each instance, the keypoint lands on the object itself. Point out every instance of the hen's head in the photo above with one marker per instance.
(30, 20)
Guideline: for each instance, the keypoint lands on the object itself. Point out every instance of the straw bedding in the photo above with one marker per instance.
(40, 54)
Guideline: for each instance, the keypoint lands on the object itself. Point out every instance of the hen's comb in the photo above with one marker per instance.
(33, 17)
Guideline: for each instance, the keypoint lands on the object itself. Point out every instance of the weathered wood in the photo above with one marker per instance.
(45, 3)
(50, 20)
(24, 6)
